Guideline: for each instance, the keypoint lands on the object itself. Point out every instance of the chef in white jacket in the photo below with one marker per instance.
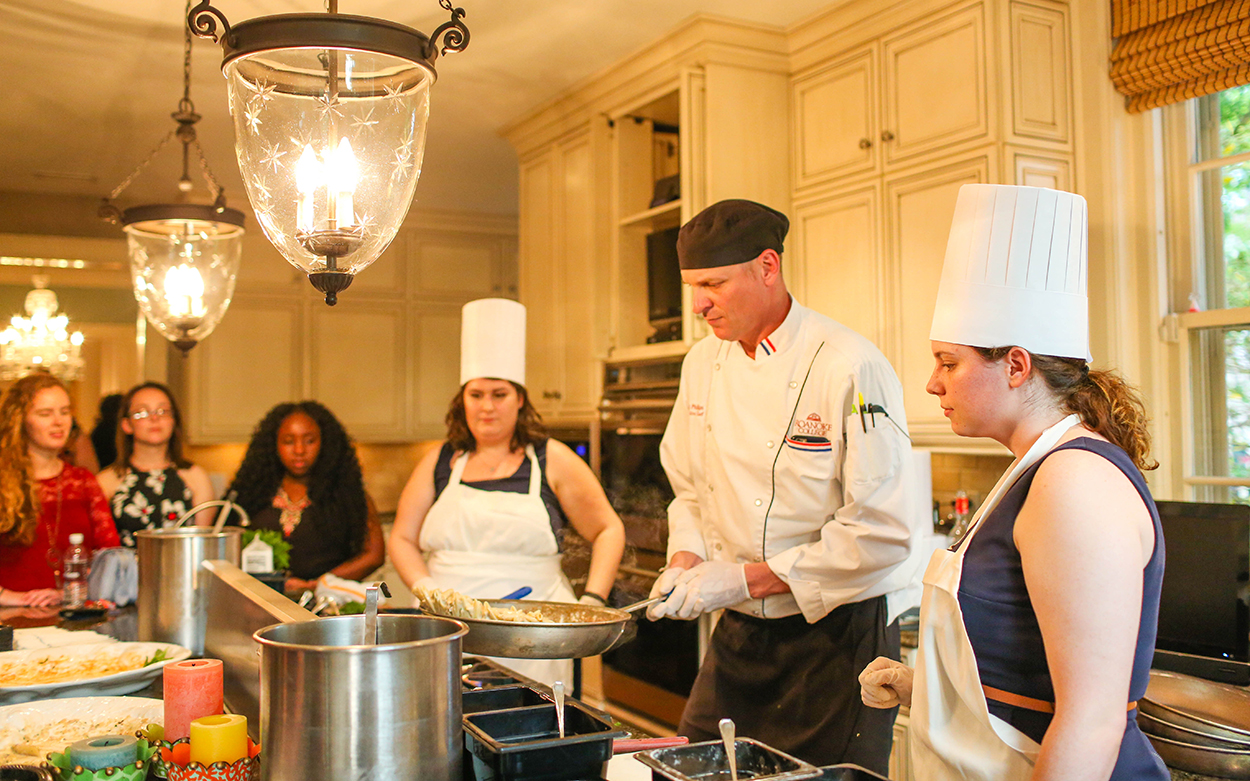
(795, 507)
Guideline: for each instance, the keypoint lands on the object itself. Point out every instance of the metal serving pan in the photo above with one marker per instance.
(1224, 763)
(1163, 729)
(587, 630)
(1214, 709)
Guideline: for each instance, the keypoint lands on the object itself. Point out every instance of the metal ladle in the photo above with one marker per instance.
(731, 753)
(557, 689)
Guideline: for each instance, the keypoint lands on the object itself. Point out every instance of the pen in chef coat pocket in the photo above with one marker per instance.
(521, 593)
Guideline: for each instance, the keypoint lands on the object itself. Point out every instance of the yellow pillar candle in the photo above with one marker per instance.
(221, 738)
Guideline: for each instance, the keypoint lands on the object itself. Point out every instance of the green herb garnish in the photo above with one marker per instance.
(161, 655)
(281, 548)
(351, 608)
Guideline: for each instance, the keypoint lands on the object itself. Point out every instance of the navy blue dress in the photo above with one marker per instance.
(1003, 630)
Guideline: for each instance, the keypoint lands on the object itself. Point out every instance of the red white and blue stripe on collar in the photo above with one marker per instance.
(768, 347)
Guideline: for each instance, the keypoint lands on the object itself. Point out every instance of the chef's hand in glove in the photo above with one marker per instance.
(594, 600)
(665, 584)
(885, 683)
(708, 586)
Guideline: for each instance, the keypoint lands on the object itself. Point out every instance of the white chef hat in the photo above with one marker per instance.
(492, 340)
(1015, 272)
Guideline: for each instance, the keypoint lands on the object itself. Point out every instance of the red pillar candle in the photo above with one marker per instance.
(192, 689)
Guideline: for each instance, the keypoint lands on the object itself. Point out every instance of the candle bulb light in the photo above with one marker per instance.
(307, 177)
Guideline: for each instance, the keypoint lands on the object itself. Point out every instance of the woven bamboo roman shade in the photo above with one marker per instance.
(1171, 50)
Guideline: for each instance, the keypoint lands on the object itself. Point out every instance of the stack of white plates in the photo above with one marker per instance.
(1197, 725)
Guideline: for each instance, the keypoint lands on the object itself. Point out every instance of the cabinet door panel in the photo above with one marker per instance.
(436, 366)
(252, 361)
(920, 210)
(538, 264)
(1036, 170)
(835, 123)
(935, 85)
(455, 266)
(838, 239)
(580, 391)
(359, 368)
(1040, 72)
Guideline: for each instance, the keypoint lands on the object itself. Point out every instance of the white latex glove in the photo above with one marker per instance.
(587, 599)
(665, 585)
(885, 683)
(426, 583)
(707, 586)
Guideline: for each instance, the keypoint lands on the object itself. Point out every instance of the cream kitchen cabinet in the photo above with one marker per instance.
(559, 280)
(892, 114)
(870, 256)
(874, 93)
(385, 360)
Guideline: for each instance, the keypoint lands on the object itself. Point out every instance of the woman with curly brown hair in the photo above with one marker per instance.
(43, 500)
(485, 513)
(301, 477)
(1037, 627)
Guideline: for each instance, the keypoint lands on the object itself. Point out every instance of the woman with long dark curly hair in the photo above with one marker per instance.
(301, 477)
(152, 482)
(43, 500)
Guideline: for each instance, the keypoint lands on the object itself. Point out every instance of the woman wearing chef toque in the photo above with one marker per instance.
(1037, 628)
(484, 513)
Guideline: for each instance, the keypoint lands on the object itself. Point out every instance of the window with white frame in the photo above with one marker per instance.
(1215, 332)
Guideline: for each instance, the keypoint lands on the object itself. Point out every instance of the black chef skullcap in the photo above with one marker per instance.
(730, 232)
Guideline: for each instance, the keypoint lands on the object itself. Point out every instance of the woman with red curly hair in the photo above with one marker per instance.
(43, 500)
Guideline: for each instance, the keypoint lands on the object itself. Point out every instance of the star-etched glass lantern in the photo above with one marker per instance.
(329, 116)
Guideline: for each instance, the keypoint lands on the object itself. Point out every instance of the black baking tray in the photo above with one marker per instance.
(502, 698)
(708, 761)
(24, 773)
(523, 744)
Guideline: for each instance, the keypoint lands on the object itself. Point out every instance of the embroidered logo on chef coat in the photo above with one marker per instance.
(768, 347)
(696, 410)
(810, 434)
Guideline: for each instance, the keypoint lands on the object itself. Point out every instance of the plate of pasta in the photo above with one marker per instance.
(30, 730)
(78, 670)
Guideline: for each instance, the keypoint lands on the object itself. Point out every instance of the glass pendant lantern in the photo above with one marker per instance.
(184, 257)
(184, 260)
(329, 117)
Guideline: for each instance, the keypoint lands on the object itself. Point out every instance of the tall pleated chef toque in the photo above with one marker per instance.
(492, 340)
(1015, 272)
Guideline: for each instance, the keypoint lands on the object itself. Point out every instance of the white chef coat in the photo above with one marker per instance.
(769, 462)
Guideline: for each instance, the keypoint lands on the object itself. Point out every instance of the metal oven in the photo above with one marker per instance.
(651, 675)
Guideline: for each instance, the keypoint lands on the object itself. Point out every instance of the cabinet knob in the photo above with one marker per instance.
(865, 143)
(887, 136)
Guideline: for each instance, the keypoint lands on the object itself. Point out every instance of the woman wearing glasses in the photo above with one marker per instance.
(151, 482)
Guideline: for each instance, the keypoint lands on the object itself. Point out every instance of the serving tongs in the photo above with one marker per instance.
(371, 611)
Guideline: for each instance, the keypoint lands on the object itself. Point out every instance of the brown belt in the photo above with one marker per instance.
(1028, 703)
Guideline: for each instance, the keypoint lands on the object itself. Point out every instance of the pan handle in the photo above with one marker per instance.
(644, 603)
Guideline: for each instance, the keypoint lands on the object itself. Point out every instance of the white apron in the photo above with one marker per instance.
(953, 734)
(487, 544)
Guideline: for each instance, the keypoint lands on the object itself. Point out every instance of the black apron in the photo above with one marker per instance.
(795, 686)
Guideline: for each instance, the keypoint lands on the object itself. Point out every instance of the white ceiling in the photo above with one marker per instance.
(88, 86)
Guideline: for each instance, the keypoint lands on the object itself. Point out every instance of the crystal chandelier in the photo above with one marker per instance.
(184, 257)
(329, 116)
(41, 340)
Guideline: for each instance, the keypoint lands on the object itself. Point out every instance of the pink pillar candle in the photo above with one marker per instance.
(192, 689)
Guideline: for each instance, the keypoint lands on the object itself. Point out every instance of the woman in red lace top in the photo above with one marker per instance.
(43, 500)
